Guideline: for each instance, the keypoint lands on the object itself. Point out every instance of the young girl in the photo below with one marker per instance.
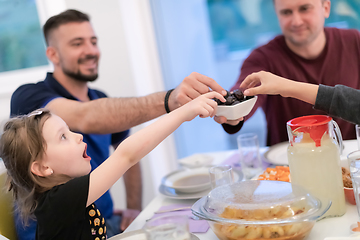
(48, 168)
(339, 101)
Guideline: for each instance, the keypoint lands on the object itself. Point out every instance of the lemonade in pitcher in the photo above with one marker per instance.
(314, 160)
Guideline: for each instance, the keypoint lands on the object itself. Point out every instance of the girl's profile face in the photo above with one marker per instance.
(65, 152)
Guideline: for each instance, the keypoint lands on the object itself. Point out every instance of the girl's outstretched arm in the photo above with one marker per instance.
(273, 85)
(135, 147)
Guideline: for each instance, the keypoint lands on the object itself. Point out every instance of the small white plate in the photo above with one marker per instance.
(139, 235)
(236, 111)
(133, 235)
(174, 194)
(188, 180)
(343, 238)
(196, 161)
(277, 154)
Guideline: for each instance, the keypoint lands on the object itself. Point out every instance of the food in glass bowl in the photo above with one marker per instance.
(348, 187)
(260, 210)
(287, 231)
(346, 178)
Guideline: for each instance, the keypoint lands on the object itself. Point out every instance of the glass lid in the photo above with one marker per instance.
(259, 202)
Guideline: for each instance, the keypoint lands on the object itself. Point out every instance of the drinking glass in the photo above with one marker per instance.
(221, 175)
(250, 160)
(168, 227)
(357, 130)
(354, 162)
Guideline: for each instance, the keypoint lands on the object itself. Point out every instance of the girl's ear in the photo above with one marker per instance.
(39, 169)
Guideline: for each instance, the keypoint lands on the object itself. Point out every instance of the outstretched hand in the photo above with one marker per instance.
(273, 85)
(202, 106)
(269, 84)
(191, 87)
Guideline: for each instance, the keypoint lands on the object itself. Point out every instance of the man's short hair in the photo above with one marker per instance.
(67, 16)
(321, 1)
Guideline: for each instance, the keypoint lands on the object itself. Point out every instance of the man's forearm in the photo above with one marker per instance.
(109, 115)
(133, 185)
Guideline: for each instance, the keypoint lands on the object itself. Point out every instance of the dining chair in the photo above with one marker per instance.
(7, 223)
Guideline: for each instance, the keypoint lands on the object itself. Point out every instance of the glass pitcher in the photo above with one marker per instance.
(315, 145)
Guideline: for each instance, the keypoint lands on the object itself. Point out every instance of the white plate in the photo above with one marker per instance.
(349, 146)
(277, 154)
(172, 193)
(133, 235)
(343, 238)
(236, 111)
(198, 180)
(139, 235)
(196, 161)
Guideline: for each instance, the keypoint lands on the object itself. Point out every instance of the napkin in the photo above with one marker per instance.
(343, 238)
(233, 161)
(195, 226)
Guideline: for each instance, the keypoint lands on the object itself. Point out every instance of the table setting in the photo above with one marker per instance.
(290, 191)
(337, 228)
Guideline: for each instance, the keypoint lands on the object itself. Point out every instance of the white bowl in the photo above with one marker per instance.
(189, 180)
(196, 161)
(236, 111)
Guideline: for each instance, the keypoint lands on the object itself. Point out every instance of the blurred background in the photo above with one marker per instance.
(151, 45)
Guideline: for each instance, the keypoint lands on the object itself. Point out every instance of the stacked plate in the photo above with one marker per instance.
(277, 154)
(190, 183)
(139, 235)
(186, 184)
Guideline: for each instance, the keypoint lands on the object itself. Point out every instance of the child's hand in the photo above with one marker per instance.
(202, 106)
(273, 85)
(270, 84)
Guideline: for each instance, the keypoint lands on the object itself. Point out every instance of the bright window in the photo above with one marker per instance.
(21, 40)
(240, 25)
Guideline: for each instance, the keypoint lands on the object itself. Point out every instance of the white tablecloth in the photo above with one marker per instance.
(332, 227)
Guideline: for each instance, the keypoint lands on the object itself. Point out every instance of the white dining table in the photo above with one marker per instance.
(337, 228)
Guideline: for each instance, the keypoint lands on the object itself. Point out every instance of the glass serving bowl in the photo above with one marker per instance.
(258, 209)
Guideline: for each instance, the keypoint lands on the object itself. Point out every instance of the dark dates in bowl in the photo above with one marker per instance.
(236, 106)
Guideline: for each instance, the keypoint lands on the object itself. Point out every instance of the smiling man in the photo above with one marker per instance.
(306, 52)
(104, 122)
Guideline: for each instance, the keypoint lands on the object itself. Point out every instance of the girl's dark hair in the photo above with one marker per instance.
(67, 16)
(21, 144)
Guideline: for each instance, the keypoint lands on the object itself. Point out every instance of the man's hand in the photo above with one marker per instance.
(191, 87)
(222, 120)
(128, 215)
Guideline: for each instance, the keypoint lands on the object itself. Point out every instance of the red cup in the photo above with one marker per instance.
(349, 195)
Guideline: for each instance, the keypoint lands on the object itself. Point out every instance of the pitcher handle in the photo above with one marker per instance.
(338, 136)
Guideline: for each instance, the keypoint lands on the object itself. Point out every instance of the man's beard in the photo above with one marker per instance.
(78, 75)
(81, 77)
